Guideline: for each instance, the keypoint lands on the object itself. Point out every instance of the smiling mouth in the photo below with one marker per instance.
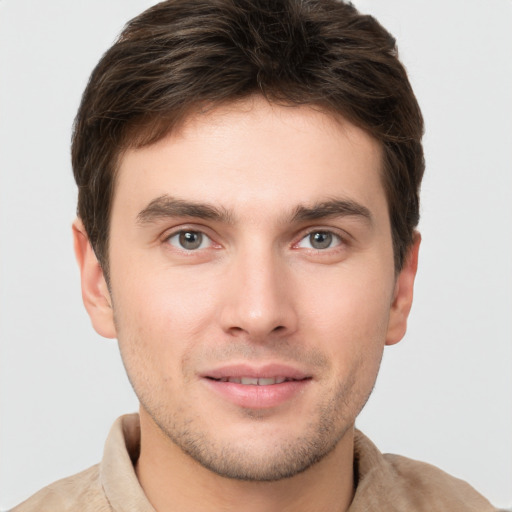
(264, 387)
(257, 381)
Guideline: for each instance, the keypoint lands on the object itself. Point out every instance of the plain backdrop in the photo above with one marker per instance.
(444, 394)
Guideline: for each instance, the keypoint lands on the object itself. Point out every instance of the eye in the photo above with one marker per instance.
(320, 240)
(189, 240)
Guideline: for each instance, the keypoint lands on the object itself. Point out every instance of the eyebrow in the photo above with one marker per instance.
(332, 208)
(166, 206)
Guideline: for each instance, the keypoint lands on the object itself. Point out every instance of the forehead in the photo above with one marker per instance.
(253, 152)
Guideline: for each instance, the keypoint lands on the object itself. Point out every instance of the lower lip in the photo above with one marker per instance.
(258, 397)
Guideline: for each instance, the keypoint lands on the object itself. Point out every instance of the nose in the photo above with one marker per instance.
(259, 297)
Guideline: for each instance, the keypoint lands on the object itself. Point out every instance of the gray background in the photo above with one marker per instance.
(444, 394)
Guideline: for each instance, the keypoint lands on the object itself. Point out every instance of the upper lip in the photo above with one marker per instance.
(266, 371)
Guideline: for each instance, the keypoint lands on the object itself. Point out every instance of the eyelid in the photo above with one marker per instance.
(205, 241)
(341, 235)
(176, 230)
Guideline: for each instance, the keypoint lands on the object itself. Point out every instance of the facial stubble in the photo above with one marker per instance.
(243, 459)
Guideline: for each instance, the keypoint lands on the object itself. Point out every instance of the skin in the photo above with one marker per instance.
(258, 290)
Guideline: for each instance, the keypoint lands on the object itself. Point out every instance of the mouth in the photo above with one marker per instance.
(253, 387)
(257, 381)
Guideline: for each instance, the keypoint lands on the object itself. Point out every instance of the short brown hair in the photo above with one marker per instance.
(181, 55)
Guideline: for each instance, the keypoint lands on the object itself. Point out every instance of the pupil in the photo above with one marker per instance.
(190, 239)
(321, 240)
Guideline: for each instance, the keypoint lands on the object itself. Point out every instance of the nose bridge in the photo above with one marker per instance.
(259, 301)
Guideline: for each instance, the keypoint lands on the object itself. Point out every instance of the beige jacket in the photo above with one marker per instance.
(385, 483)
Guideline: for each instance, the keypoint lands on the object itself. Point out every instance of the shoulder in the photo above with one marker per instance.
(82, 491)
(393, 483)
(426, 484)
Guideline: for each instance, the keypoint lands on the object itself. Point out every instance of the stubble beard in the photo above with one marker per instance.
(236, 458)
(240, 460)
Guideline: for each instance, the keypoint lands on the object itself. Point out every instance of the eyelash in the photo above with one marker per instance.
(332, 237)
(184, 232)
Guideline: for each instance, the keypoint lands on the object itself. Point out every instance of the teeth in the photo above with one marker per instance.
(249, 380)
(266, 382)
(254, 381)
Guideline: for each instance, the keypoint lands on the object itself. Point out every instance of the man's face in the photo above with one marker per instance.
(252, 284)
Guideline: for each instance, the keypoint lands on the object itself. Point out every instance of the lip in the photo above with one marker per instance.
(252, 396)
(265, 371)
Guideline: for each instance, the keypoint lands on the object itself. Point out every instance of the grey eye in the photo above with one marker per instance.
(320, 240)
(189, 240)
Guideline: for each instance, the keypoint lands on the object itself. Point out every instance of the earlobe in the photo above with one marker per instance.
(403, 295)
(95, 293)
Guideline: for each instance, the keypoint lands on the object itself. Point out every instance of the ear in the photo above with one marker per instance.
(402, 297)
(95, 293)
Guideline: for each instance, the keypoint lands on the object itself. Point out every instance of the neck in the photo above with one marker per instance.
(173, 481)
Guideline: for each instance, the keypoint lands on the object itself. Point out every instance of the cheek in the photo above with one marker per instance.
(164, 301)
(350, 313)
(159, 318)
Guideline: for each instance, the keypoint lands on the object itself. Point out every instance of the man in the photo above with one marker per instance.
(248, 177)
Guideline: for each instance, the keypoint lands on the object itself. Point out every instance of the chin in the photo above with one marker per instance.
(263, 451)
